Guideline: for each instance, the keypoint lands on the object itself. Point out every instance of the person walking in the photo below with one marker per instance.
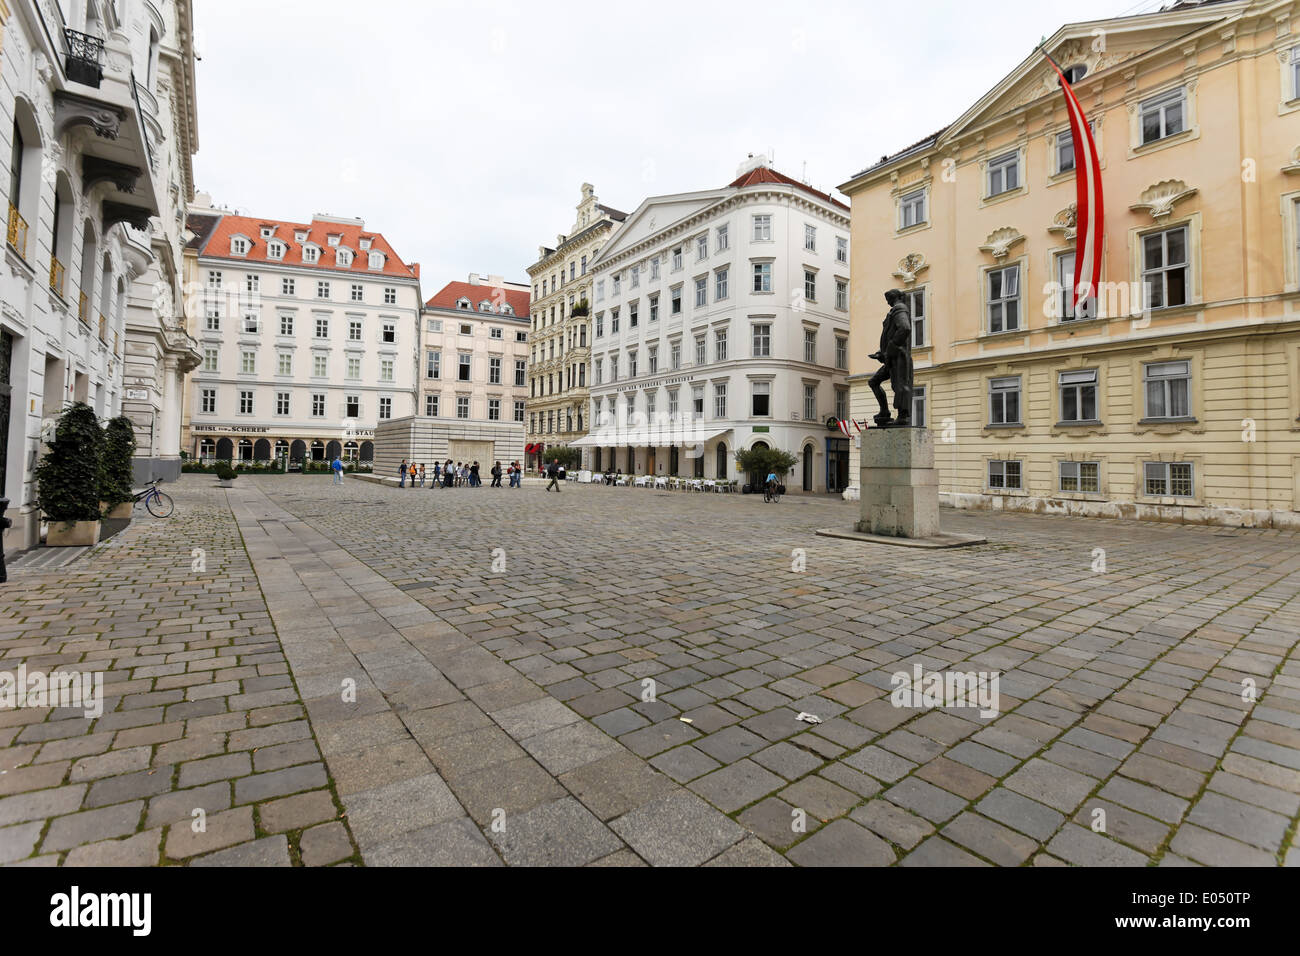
(421, 474)
(496, 474)
(474, 479)
(447, 474)
(553, 472)
(337, 467)
(437, 474)
(401, 474)
(412, 474)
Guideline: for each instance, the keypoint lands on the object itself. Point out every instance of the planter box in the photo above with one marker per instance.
(226, 482)
(120, 512)
(77, 534)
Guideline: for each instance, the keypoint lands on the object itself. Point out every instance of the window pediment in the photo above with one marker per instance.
(1159, 200)
(910, 267)
(1000, 241)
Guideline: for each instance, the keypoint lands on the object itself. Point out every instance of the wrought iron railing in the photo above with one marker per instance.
(56, 275)
(83, 308)
(85, 57)
(17, 235)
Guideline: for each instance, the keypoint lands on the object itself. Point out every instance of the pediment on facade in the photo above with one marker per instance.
(654, 215)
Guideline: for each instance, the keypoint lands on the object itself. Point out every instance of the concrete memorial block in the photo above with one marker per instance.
(900, 486)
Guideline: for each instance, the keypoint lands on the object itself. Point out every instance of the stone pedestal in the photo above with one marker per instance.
(900, 487)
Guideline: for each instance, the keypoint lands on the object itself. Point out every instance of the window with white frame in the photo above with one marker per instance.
(600, 324)
(284, 363)
(1004, 400)
(701, 292)
(761, 399)
(762, 277)
(613, 366)
(1078, 389)
(672, 401)
(841, 295)
(720, 345)
(654, 268)
(809, 403)
(618, 284)
(1004, 475)
(841, 249)
(317, 404)
(599, 371)
(1079, 476)
(654, 308)
(677, 259)
(675, 301)
(911, 209)
(675, 356)
(282, 403)
(239, 246)
(463, 360)
(385, 407)
(376, 262)
(697, 400)
(841, 352)
(810, 237)
(213, 320)
(358, 292)
(390, 295)
(720, 284)
(633, 316)
(810, 285)
(494, 409)
(286, 325)
(649, 405)
(918, 406)
(1003, 298)
(354, 367)
(701, 247)
(252, 322)
(245, 402)
(320, 366)
(1167, 479)
(1165, 268)
(636, 277)
(432, 364)
(1168, 387)
(431, 406)
(519, 412)
(762, 340)
(388, 332)
(275, 250)
(723, 238)
(462, 406)
(214, 279)
(1164, 115)
(248, 362)
(310, 254)
(386, 370)
(842, 403)
(720, 400)
(652, 359)
(521, 371)
(1295, 73)
(1064, 151)
(762, 228)
(208, 401)
(1004, 173)
(1066, 308)
(351, 406)
(600, 290)
(210, 359)
(322, 290)
(810, 346)
(613, 323)
(700, 350)
(914, 299)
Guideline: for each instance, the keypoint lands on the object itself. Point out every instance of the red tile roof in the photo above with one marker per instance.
(318, 231)
(447, 296)
(763, 174)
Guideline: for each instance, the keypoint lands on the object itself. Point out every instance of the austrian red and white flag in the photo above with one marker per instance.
(844, 425)
(1089, 217)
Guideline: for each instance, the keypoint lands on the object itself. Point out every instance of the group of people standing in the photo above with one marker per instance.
(448, 474)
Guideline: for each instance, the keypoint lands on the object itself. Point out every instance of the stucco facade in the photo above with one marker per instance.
(1178, 396)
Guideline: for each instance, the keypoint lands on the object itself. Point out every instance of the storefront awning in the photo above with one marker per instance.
(649, 437)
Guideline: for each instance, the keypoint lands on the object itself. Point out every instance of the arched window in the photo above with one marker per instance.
(350, 450)
(24, 177)
(61, 239)
(808, 453)
(207, 449)
(245, 450)
(281, 448)
(318, 450)
(344, 257)
(722, 460)
(1075, 73)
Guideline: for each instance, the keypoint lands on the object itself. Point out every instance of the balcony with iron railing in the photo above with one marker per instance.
(84, 57)
(17, 235)
(56, 276)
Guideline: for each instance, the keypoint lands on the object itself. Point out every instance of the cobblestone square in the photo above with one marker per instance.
(298, 673)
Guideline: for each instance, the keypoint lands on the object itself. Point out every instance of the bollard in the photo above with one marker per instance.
(5, 524)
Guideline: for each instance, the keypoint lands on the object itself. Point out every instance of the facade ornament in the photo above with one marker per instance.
(44, 70)
(1065, 223)
(1293, 167)
(71, 111)
(1000, 241)
(1159, 200)
(911, 266)
(95, 170)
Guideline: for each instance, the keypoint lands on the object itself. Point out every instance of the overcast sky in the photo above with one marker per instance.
(462, 130)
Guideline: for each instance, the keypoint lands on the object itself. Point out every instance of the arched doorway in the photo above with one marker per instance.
(350, 451)
(318, 450)
(367, 451)
(808, 467)
(298, 450)
(333, 450)
(245, 450)
(207, 449)
(281, 448)
(262, 450)
(755, 479)
(721, 454)
(596, 460)
(225, 449)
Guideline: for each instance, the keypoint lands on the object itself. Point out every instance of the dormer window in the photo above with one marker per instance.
(268, 232)
(333, 240)
(485, 306)
(462, 303)
(506, 310)
(238, 246)
(275, 249)
(344, 257)
(376, 260)
(310, 253)
(365, 244)
(300, 235)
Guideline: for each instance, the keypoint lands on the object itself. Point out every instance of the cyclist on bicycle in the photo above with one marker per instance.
(770, 483)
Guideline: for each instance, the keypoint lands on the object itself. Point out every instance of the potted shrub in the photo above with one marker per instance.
(115, 499)
(758, 462)
(226, 475)
(67, 479)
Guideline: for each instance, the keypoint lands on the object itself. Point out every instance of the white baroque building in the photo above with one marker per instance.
(720, 321)
(309, 335)
(100, 113)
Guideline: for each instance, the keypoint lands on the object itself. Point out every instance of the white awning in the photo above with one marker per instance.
(648, 437)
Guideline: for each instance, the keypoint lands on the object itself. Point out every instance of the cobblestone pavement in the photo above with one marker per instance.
(500, 642)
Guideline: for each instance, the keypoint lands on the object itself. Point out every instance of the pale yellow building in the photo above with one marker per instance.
(559, 368)
(1179, 398)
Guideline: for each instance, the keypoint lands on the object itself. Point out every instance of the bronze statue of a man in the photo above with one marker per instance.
(895, 357)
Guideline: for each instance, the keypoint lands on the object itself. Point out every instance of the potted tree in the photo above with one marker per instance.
(758, 462)
(226, 475)
(67, 479)
(115, 499)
